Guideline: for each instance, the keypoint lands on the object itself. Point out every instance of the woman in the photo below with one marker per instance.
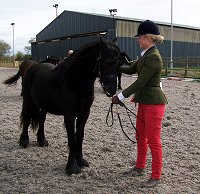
(151, 101)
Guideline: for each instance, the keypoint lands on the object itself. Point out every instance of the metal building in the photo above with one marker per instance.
(70, 30)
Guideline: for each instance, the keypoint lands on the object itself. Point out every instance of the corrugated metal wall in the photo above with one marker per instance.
(180, 34)
(180, 49)
(59, 48)
(186, 41)
(69, 24)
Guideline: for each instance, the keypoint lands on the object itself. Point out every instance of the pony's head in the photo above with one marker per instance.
(110, 59)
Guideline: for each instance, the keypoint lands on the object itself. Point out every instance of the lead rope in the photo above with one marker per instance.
(128, 111)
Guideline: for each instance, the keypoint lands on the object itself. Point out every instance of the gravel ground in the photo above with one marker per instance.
(38, 170)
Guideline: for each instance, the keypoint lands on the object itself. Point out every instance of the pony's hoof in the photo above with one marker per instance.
(23, 143)
(73, 170)
(43, 143)
(82, 163)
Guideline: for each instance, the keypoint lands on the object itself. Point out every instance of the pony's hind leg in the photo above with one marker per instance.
(25, 122)
(22, 86)
(29, 115)
(40, 134)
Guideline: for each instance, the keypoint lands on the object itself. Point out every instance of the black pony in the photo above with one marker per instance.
(24, 66)
(68, 90)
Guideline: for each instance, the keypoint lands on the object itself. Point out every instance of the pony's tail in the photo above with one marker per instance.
(12, 80)
(32, 114)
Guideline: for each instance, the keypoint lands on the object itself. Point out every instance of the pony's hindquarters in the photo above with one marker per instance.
(31, 113)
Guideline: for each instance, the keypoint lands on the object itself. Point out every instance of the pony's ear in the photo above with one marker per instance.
(103, 42)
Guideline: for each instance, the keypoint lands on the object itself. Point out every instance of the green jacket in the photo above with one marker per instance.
(147, 86)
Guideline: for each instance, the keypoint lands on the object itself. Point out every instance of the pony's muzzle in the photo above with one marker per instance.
(109, 85)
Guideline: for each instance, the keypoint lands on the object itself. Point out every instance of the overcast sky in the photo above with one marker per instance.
(31, 16)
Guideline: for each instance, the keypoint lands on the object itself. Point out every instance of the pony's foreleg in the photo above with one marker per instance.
(40, 134)
(80, 126)
(72, 166)
(119, 75)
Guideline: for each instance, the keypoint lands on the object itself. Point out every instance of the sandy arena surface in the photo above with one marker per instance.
(38, 170)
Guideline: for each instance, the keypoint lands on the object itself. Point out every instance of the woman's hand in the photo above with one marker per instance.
(115, 100)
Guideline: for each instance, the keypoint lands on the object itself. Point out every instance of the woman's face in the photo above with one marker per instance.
(144, 41)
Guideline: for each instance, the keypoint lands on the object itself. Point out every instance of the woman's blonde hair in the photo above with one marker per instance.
(157, 39)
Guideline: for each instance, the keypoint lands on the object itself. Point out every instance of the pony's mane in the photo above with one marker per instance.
(81, 55)
(84, 51)
(77, 56)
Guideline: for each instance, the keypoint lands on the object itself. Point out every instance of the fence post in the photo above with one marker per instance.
(166, 68)
(187, 67)
(166, 71)
(187, 63)
(185, 74)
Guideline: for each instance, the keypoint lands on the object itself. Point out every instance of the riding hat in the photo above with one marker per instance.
(147, 27)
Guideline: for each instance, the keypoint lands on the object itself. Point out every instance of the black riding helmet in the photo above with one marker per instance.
(147, 27)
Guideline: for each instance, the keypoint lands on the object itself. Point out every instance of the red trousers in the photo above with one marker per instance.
(149, 124)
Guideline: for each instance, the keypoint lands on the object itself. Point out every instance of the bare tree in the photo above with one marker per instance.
(4, 48)
(27, 49)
